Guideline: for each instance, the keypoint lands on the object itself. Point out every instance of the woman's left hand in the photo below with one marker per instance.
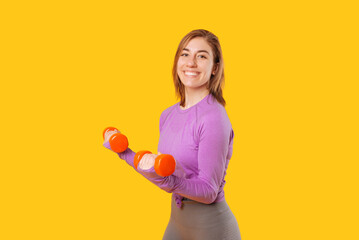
(108, 134)
(148, 161)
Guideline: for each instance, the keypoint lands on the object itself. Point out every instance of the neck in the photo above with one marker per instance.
(194, 96)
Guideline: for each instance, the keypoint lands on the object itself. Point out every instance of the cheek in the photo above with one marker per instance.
(206, 68)
(179, 63)
(210, 69)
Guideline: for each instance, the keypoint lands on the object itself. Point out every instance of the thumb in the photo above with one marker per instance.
(159, 153)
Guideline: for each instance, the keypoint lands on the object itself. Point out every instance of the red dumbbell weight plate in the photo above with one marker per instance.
(165, 165)
(118, 142)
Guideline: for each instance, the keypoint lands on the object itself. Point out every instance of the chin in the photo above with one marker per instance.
(190, 84)
(195, 87)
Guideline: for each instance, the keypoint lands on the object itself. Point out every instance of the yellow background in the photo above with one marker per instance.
(71, 68)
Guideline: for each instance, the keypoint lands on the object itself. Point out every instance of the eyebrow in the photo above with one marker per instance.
(197, 51)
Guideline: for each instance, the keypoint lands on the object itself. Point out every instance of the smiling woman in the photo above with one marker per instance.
(202, 142)
(198, 134)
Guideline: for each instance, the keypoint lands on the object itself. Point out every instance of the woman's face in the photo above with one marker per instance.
(195, 64)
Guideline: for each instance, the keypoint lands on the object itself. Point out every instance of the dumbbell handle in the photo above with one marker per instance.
(164, 166)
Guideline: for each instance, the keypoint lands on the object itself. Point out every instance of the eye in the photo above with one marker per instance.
(183, 54)
(202, 56)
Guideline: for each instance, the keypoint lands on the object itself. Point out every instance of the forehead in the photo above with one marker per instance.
(197, 44)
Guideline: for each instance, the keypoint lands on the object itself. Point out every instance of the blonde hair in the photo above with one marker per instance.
(216, 82)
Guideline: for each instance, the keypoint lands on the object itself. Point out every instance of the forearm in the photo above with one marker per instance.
(196, 189)
(128, 155)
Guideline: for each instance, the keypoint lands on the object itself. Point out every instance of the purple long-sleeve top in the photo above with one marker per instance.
(200, 139)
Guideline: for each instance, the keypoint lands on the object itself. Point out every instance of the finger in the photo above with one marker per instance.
(143, 161)
(145, 164)
(147, 161)
(109, 134)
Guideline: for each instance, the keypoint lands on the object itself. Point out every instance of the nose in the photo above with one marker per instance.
(191, 62)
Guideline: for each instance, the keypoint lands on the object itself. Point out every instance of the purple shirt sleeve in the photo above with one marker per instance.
(128, 155)
(212, 156)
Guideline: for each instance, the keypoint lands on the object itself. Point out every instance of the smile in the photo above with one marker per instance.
(191, 73)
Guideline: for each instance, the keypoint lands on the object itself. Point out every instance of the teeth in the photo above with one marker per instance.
(191, 73)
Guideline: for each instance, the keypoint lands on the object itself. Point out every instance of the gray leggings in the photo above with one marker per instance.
(199, 221)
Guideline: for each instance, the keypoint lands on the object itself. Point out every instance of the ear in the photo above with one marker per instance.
(215, 68)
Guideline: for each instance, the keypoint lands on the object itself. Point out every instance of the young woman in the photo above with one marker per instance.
(198, 134)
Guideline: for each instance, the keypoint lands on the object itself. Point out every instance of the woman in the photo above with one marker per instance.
(198, 134)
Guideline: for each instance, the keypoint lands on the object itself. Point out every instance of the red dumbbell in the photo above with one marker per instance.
(118, 142)
(164, 166)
